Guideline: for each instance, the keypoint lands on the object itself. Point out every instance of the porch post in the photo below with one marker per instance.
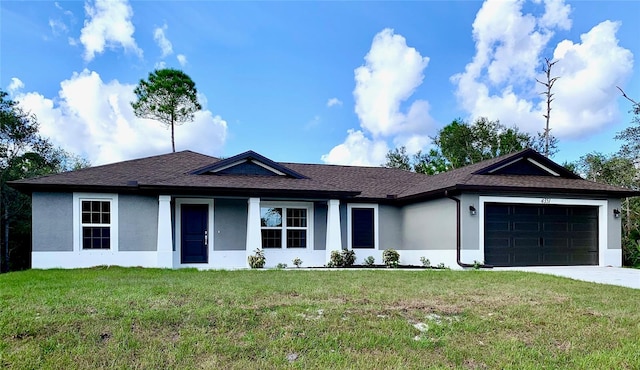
(334, 238)
(164, 245)
(254, 241)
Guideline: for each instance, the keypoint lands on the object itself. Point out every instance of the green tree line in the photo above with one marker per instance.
(23, 154)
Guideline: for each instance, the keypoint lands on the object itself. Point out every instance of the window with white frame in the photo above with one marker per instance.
(95, 223)
(285, 226)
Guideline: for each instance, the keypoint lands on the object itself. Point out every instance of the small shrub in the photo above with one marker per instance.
(391, 257)
(425, 261)
(348, 258)
(477, 264)
(336, 259)
(342, 258)
(257, 260)
(281, 266)
(442, 266)
(297, 262)
(369, 261)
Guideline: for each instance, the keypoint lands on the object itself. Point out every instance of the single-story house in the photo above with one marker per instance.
(187, 209)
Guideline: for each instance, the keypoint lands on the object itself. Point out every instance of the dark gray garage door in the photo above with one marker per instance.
(533, 235)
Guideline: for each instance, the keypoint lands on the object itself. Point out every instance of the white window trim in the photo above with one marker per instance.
(602, 216)
(178, 231)
(77, 221)
(376, 225)
(308, 206)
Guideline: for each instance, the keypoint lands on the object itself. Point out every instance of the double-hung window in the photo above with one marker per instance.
(285, 226)
(96, 224)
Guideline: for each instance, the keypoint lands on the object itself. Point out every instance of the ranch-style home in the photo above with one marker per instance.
(187, 209)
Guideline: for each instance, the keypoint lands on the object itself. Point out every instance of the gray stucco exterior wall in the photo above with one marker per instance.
(230, 224)
(390, 224)
(614, 225)
(137, 223)
(430, 225)
(52, 222)
(320, 225)
(469, 224)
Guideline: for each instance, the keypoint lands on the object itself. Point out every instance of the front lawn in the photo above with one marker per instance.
(150, 318)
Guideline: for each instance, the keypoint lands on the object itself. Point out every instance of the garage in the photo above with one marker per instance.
(540, 235)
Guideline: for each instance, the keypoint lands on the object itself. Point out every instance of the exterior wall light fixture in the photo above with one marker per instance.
(616, 213)
(472, 210)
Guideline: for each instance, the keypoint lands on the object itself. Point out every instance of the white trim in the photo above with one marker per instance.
(77, 212)
(267, 167)
(229, 165)
(506, 164)
(176, 254)
(102, 257)
(535, 163)
(284, 205)
(164, 243)
(334, 236)
(376, 226)
(602, 217)
(543, 167)
(253, 161)
(254, 240)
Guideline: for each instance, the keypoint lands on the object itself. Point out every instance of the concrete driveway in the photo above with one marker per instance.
(604, 275)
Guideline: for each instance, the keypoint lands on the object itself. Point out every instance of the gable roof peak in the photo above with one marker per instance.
(252, 158)
(540, 164)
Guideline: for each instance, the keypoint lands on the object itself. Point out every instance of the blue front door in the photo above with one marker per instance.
(193, 231)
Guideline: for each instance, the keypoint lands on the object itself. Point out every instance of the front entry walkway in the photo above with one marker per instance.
(625, 277)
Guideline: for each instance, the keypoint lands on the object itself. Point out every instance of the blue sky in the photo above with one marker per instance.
(320, 82)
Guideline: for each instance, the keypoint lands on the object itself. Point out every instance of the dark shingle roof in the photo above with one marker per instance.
(175, 172)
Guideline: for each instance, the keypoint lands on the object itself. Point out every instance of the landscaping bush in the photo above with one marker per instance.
(391, 257)
(369, 261)
(425, 261)
(297, 262)
(348, 258)
(257, 260)
(335, 260)
(342, 258)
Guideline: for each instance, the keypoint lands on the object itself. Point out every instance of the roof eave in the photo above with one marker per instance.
(622, 193)
(187, 190)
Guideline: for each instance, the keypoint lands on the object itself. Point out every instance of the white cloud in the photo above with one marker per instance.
(108, 24)
(500, 81)
(160, 65)
(357, 150)
(333, 102)
(162, 41)
(15, 85)
(94, 119)
(57, 27)
(391, 74)
(182, 59)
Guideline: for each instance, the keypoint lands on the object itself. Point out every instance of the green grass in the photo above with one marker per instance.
(149, 318)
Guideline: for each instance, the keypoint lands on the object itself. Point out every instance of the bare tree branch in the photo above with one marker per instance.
(627, 97)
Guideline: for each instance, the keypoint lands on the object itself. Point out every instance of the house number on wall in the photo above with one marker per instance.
(545, 200)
